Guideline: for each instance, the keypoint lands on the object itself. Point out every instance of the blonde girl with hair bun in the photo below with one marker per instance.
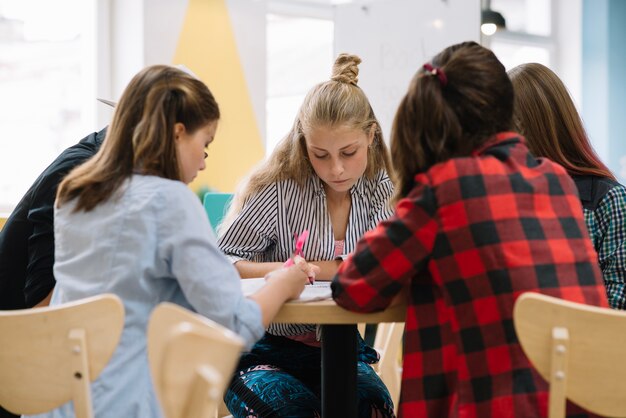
(330, 175)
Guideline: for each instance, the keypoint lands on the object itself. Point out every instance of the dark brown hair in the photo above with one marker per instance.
(546, 115)
(140, 138)
(438, 120)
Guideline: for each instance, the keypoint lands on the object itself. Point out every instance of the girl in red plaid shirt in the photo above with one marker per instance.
(478, 221)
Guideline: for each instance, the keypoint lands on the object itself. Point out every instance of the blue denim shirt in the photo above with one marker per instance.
(150, 243)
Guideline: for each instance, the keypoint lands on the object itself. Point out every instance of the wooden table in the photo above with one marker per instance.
(339, 343)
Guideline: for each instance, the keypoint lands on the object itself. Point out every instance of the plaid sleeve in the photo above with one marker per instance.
(388, 257)
(610, 220)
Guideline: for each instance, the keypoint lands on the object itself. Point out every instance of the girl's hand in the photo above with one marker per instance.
(309, 269)
(292, 279)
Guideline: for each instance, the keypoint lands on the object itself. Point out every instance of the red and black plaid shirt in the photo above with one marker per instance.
(472, 235)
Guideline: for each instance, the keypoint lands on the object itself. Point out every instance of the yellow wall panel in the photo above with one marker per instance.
(207, 45)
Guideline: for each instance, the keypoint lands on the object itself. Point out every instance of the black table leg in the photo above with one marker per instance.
(339, 398)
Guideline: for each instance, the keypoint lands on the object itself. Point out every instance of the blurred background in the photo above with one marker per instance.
(260, 57)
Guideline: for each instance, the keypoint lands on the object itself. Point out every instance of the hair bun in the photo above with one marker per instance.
(346, 69)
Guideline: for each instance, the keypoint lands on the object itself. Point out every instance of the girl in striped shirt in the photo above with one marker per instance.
(329, 176)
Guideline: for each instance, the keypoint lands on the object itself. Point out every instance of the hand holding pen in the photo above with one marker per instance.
(309, 269)
(300, 240)
(297, 253)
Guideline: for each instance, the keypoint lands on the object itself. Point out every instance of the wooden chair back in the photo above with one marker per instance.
(578, 349)
(49, 355)
(388, 343)
(192, 360)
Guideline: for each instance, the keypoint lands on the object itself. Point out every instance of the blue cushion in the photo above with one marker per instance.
(216, 205)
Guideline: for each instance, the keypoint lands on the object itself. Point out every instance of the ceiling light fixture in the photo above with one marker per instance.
(491, 21)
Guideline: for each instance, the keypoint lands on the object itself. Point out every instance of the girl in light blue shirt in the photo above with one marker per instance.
(126, 223)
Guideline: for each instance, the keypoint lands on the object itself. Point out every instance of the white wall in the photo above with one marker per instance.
(248, 19)
(137, 33)
(394, 38)
(567, 19)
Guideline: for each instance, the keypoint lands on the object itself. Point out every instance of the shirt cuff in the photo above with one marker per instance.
(250, 326)
(234, 258)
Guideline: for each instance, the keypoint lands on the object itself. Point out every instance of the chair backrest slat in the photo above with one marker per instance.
(49, 355)
(191, 358)
(388, 343)
(593, 373)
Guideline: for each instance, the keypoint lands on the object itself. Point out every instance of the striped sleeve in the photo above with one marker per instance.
(254, 229)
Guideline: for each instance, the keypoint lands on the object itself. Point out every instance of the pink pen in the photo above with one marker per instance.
(298, 249)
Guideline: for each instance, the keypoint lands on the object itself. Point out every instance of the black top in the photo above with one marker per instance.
(27, 239)
(592, 189)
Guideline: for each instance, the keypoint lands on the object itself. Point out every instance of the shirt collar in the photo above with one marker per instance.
(584, 184)
(100, 136)
(358, 187)
(318, 186)
(498, 139)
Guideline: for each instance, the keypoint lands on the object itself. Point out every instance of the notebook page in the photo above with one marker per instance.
(317, 291)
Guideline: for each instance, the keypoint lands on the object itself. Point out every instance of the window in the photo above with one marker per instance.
(528, 16)
(299, 55)
(529, 35)
(512, 54)
(544, 31)
(43, 71)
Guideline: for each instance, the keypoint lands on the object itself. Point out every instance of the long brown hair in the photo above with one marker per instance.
(449, 115)
(140, 138)
(336, 102)
(545, 114)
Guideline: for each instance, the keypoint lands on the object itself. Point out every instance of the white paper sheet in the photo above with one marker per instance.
(317, 291)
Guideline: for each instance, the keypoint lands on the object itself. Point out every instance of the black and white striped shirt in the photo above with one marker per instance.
(264, 229)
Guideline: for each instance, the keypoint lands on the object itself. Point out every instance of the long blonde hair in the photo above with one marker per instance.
(336, 102)
(141, 135)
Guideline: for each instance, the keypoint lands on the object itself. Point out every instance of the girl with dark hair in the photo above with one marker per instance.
(547, 117)
(126, 223)
(478, 221)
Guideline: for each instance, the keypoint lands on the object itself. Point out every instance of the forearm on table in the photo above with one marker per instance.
(250, 269)
(328, 269)
(270, 299)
